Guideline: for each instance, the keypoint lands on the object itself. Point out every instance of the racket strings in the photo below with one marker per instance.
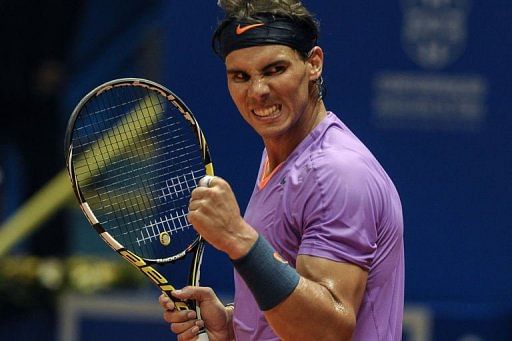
(138, 169)
(174, 219)
(100, 196)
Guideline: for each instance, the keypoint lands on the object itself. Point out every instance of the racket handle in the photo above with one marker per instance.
(178, 304)
(203, 336)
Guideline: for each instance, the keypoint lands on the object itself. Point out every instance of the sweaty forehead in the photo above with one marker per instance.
(259, 57)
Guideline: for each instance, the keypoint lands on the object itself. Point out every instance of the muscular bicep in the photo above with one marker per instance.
(345, 281)
(324, 304)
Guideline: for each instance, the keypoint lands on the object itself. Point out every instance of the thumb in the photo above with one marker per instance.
(194, 293)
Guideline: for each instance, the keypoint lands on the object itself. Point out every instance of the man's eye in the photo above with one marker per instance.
(240, 77)
(276, 70)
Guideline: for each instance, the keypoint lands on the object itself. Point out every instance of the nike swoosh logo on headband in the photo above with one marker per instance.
(241, 30)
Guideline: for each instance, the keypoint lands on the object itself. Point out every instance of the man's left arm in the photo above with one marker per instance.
(325, 303)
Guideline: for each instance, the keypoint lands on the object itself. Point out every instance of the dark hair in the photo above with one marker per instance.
(242, 9)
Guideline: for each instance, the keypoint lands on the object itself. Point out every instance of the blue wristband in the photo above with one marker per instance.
(270, 280)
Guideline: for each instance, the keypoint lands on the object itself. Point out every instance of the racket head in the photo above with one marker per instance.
(134, 153)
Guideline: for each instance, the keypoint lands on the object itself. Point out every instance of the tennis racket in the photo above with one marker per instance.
(134, 153)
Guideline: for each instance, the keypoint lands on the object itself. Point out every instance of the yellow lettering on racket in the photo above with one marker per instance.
(178, 304)
(154, 275)
(133, 258)
(167, 287)
(149, 271)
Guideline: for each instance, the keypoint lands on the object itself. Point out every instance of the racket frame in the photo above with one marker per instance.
(144, 265)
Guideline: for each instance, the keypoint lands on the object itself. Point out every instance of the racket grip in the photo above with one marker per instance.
(178, 304)
(202, 336)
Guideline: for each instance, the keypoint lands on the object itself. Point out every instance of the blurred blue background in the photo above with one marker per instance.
(426, 84)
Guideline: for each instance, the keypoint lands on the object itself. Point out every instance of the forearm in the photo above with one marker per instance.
(318, 301)
(312, 313)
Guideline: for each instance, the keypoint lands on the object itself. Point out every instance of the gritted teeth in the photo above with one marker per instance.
(268, 111)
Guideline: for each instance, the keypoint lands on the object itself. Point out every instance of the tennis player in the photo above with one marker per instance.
(319, 252)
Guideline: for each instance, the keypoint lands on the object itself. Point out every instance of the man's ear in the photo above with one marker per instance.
(316, 62)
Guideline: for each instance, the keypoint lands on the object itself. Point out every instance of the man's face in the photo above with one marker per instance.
(270, 87)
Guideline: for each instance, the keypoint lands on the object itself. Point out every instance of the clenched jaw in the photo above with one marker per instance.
(268, 112)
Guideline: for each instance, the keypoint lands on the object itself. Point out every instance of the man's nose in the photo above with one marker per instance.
(258, 88)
